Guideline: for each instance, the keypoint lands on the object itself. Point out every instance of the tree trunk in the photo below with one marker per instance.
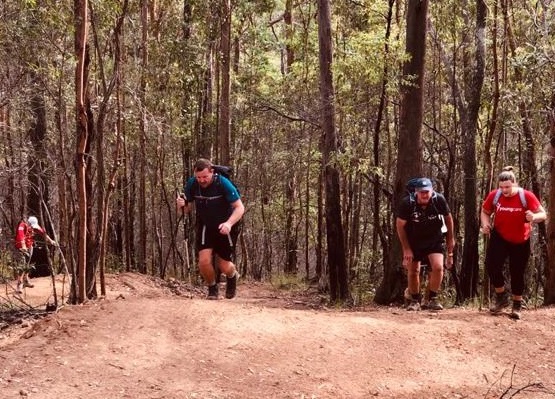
(529, 178)
(224, 119)
(81, 78)
(38, 183)
(470, 269)
(549, 288)
(291, 244)
(409, 159)
(377, 147)
(291, 224)
(143, 140)
(105, 190)
(339, 287)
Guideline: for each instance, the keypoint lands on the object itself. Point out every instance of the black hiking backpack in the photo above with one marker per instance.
(227, 172)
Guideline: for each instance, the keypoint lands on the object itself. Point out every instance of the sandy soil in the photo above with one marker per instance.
(156, 339)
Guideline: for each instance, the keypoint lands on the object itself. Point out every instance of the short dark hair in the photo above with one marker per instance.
(202, 164)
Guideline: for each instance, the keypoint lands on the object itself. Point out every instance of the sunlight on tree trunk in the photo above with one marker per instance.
(81, 32)
(143, 140)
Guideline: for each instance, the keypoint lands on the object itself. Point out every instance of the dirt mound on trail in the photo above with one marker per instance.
(161, 339)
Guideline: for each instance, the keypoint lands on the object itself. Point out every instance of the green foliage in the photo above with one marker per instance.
(288, 282)
(362, 293)
(7, 263)
(114, 264)
(275, 108)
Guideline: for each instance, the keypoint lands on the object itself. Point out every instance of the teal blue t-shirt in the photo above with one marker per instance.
(213, 203)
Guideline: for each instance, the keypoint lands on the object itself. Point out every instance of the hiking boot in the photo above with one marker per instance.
(231, 286)
(515, 312)
(19, 289)
(407, 297)
(434, 304)
(28, 284)
(414, 305)
(501, 302)
(212, 292)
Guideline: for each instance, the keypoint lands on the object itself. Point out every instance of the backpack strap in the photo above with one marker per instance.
(496, 197)
(520, 191)
(433, 201)
(195, 188)
(522, 197)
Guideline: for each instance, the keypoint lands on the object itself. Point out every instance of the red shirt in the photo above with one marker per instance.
(25, 234)
(510, 215)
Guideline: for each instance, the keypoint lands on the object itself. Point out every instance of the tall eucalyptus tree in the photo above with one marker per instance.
(337, 265)
(409, 157)
(143, 127)
(224, 109)
(82, 130)
(474, 80)
(549, 289)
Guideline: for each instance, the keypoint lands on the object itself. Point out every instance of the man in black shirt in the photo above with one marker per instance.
(422, 223)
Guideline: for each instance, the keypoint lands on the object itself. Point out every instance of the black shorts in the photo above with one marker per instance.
(223, 245)
(421, 253)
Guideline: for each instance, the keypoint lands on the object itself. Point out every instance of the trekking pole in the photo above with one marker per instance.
(455, 277)
(66, 272)
(183, 218)
(72, 281)
(485, 291)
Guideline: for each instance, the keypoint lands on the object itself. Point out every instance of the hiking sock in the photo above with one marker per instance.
(432, 294)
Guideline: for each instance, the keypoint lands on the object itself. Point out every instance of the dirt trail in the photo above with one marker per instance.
(151, 339)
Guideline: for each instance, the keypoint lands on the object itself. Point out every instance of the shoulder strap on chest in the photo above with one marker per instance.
(195, 188)
(496, 197)
(521, 195)
(433, 200)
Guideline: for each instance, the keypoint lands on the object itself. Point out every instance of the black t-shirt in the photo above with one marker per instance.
(424, 223)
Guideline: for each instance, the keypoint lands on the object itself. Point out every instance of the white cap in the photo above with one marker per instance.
(34, 222)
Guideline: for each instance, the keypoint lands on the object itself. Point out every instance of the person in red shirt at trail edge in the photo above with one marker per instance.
(506, 217)
(24, 242)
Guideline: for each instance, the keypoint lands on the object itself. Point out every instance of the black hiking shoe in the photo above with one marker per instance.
(212, 292)
(231, 287)
(515, 312)
(501, 302)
